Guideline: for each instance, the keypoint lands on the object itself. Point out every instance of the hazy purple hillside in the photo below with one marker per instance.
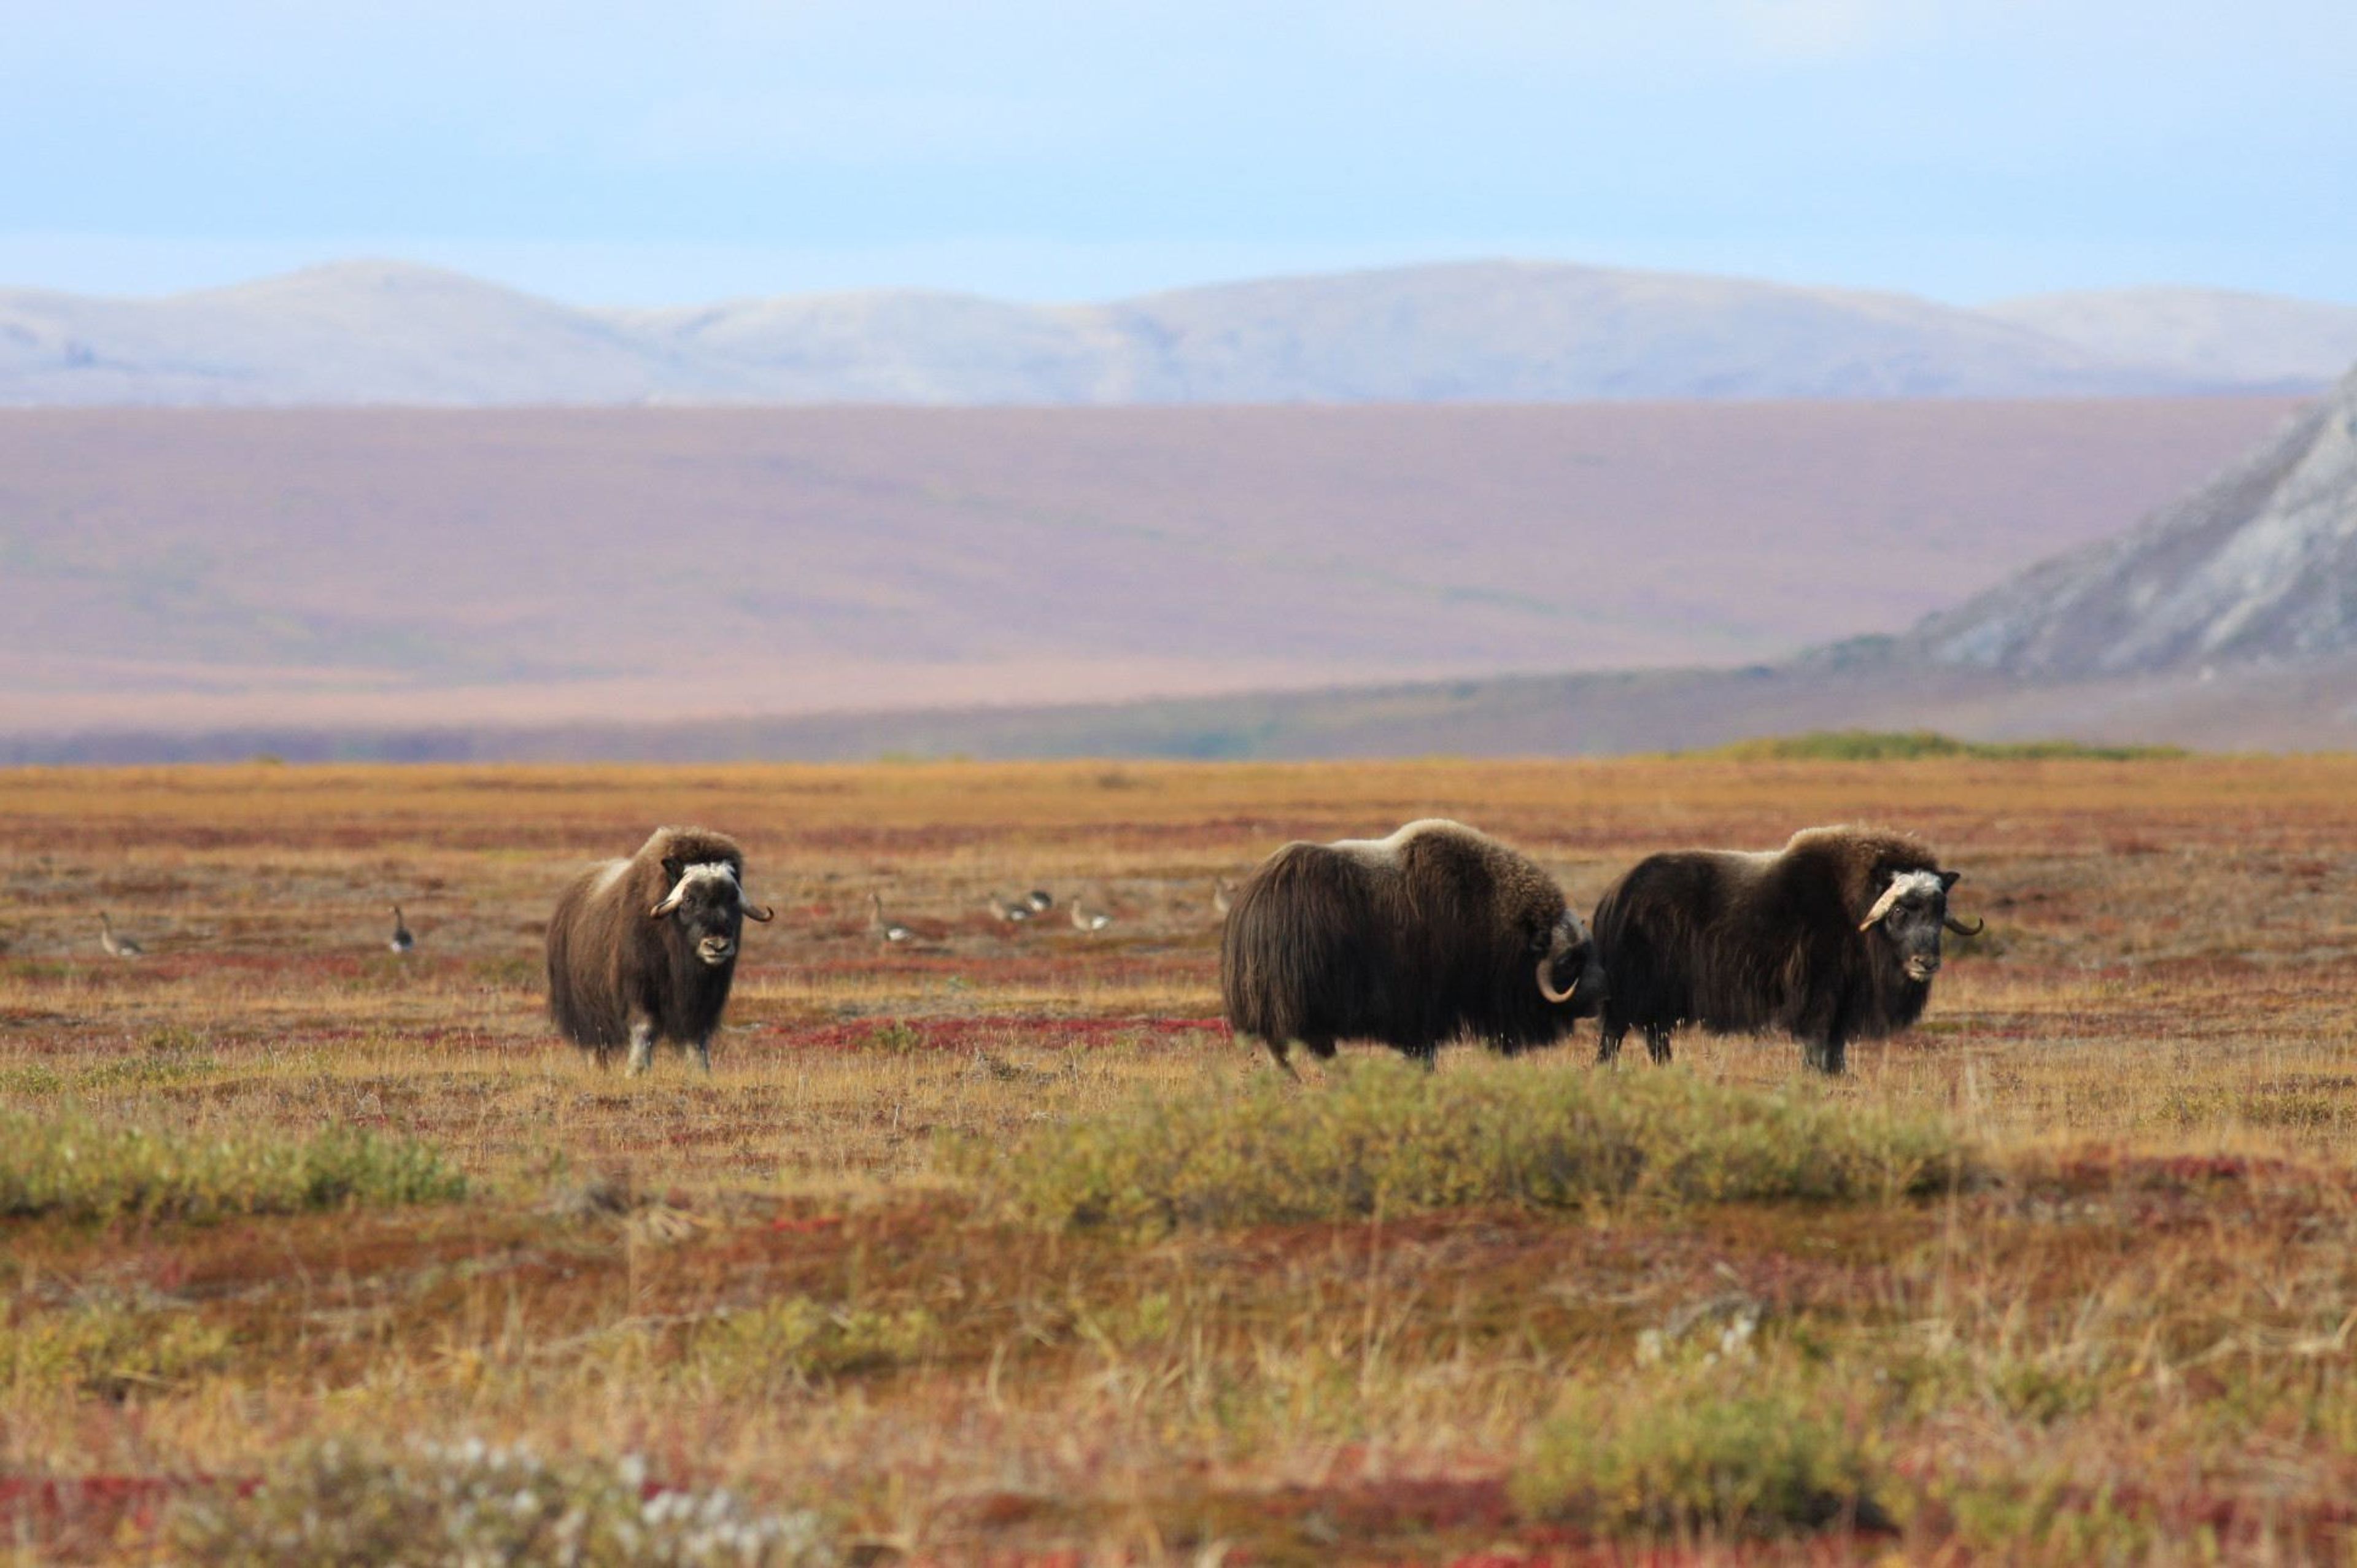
(196, 569)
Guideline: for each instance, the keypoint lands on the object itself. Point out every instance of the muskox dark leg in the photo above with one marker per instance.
(1278, 1052)
(703, 1049)
(1608, 1044)
(1657, 1042)
(643, 1045)
(1827, 1055)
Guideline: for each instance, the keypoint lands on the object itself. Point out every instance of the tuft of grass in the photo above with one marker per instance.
(1387, 1137)
(1907, 746)
(1760, 1458)
(340, 1503)
(66, 1166)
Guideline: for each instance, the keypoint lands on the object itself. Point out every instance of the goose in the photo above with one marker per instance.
(1014, 913)
(1082, 920)
(890, 930)
(402, 941)
(1222, 895)
(115, 946)
(1040, 900)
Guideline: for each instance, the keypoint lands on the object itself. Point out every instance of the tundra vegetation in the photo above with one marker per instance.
(991, 1245)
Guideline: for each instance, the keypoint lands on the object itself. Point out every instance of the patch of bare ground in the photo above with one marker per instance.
(2122, 1332)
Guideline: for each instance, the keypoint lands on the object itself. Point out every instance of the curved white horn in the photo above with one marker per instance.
(1556, 950)
(1546, 986)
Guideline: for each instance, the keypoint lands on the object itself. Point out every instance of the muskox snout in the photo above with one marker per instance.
(1923, 966)
(715, 951)
(1594, 989)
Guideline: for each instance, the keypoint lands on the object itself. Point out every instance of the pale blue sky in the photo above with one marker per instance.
(1047, 149)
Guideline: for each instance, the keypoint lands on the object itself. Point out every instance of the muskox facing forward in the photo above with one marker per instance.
(1435, 933)
(644, 948)
(1835, 938)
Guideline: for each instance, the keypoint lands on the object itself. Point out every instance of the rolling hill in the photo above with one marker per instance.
(391, 333)
(2248, 338)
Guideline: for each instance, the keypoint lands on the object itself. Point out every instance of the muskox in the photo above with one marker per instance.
(1834, 939)
(644, 948)
(1434, 934)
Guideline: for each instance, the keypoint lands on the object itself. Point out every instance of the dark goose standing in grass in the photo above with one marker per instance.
(116, 946)
(403, 939)
(1040, 900)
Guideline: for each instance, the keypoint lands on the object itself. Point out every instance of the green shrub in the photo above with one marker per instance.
(898, 1038)
(797, 1338)
(110, 1347)
(70, 1167)
(1759, 1457)
(1898, 745)
(338, 1503)
(1388, 1137)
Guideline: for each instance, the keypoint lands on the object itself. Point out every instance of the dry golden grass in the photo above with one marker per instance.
(2129, 1337)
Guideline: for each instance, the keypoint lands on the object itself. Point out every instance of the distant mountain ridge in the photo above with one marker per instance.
(2210, 331)
(392, 333)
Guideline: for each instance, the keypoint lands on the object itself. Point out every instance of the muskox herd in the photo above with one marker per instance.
(1439, 933)
(1434, 934)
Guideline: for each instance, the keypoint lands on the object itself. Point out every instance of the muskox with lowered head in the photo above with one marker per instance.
(1433, 934)
(644, 948)
(1834, 939)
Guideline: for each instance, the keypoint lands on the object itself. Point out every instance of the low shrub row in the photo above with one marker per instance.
(1387, 1137)
(69, 1165)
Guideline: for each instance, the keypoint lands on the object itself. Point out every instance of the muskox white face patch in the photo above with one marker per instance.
(703, 871)
(708, 902)
(1912, 913)
(1905, 885)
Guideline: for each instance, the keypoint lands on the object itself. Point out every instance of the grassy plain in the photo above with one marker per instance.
(2081, 1287)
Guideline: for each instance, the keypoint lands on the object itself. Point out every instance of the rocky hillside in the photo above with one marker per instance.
(2258, 567)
